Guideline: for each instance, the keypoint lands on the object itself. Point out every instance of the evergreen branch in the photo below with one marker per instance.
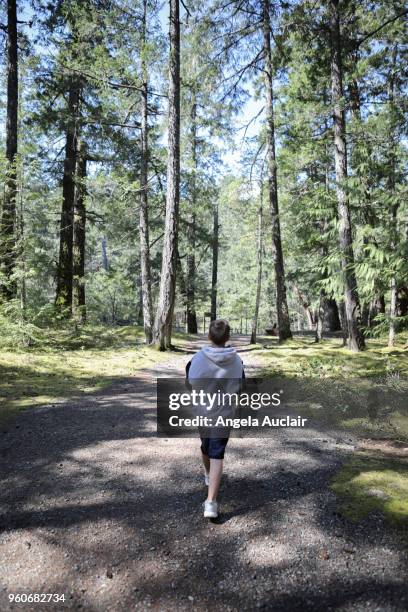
(156, 240)
(254, 118)
(241, 73)
(255, 160)
(136, 126)
(391, 20)
(186, 9)
(249, 26)
(128, 13)
(111, 84)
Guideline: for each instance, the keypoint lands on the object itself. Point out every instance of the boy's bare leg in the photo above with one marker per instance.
(215, 478)
(206, 462)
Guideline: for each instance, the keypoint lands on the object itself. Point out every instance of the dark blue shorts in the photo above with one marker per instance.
(214, 448)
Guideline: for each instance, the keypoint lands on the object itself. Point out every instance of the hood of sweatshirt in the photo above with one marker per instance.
(221, 356)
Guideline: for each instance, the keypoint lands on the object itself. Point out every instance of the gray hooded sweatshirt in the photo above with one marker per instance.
(213, 370)
(216, 362)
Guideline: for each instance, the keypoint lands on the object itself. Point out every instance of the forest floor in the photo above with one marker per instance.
(96, 507)
(65, 362)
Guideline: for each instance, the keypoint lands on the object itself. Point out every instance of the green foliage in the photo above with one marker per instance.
(99, 43)
(15, 331)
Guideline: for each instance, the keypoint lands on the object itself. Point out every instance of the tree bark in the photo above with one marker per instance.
(79, 235)
(402, 301)
(8, 230)
(344, 325)
(214, 277)
(145, 264)
(377, 306)
(105, 260)
(63, 298)
(164, 315)
(331, 319)
(281, 300)
(371, 307)
(394, 207)
(365, 313)
(393, 311)
(191, 224)
(351, 299)
(319, 317)
(305, 305)
(181, 282)
(259, 266)
(327, 316)
(22, 254)
(139, 316)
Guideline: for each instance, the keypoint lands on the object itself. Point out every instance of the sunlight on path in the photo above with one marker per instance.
(95, 506)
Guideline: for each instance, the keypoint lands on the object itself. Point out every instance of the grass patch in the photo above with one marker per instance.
(370, 483)
(331, 385)
(329, 359)
(70, 362)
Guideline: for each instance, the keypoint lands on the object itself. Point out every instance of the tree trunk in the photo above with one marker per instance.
(139, 316)
(259, 265)
(105, 260)
(394, 207)
(144, 205)
(372, 307)
(351, 299)
(310, 319)
(78, 250)
(181, 282)
(281, 300)
(393, 311)
(402, 301)
(319, 317)
(191, 225)
(365, 313)
(327, 316)
(8, 230)
(214, 278)
(305, 305)
(23, 285)
(331, 315)
(377, 306)
(165, 306)
(343, 319)
(63, 298)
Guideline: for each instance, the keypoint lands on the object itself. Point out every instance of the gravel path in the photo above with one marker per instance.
(94, 506)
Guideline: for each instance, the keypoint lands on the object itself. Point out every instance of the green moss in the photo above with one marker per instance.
(71, 362)
(370, 483)
(329, 359)
(342, 380)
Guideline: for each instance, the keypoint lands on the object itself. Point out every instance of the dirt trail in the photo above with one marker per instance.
(94, 506)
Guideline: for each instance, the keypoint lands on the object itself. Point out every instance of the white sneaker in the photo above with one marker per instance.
(206, 479)
(210, 509)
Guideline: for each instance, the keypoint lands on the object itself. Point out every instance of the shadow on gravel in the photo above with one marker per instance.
(91, 486)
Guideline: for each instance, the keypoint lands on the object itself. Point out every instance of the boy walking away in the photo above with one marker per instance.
(211, 362)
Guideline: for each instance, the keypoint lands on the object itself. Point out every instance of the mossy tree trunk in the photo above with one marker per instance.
(165, 307)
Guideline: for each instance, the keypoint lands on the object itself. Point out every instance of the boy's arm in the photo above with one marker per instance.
(243, 385)
(187, 383)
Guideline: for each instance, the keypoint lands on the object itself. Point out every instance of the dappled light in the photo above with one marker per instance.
(203, 306)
